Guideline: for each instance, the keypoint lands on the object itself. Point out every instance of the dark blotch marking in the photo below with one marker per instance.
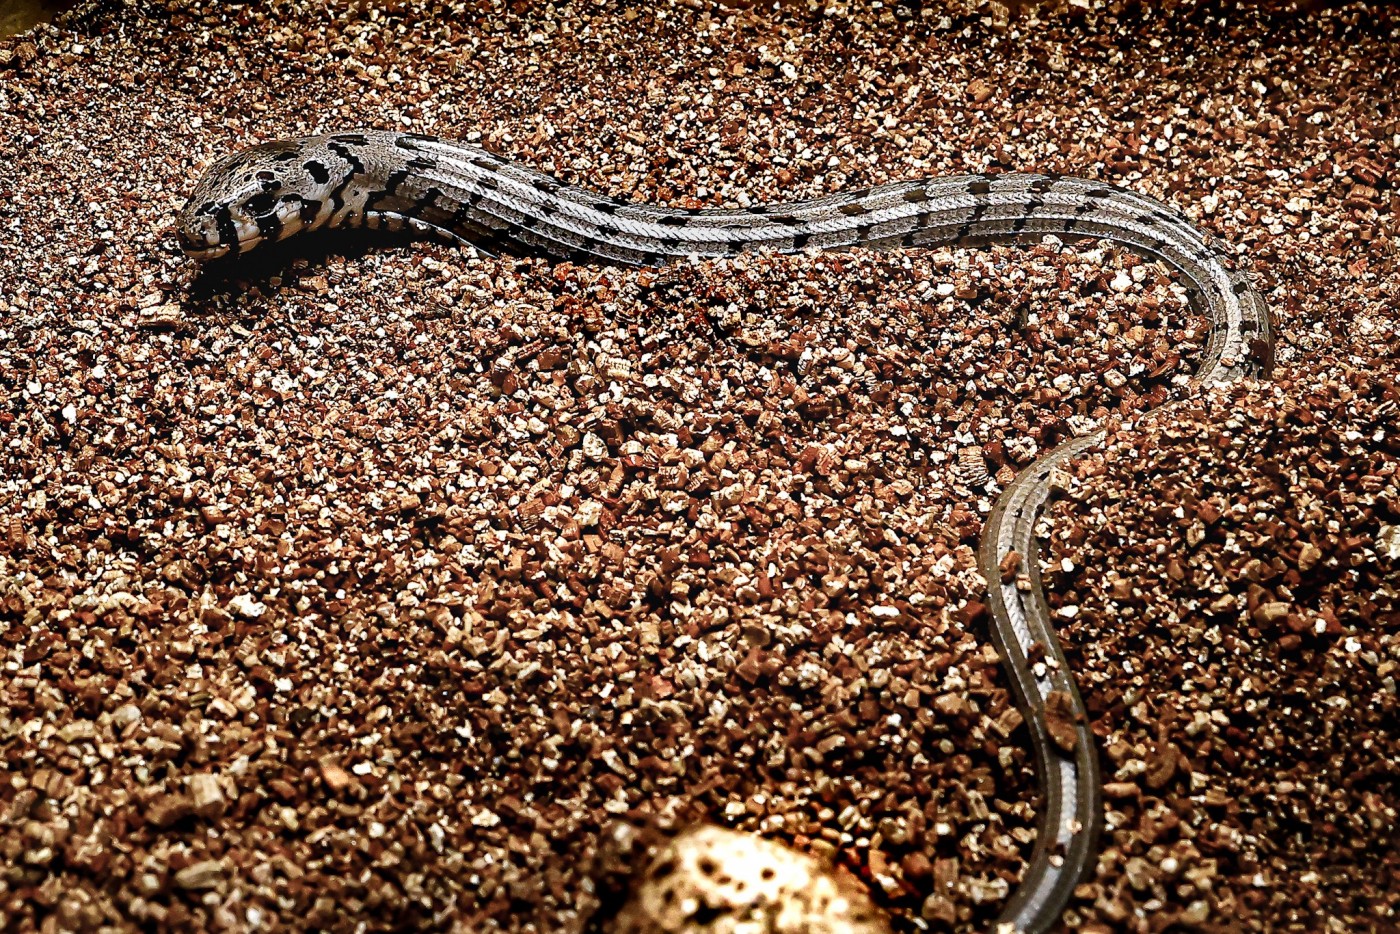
(347, 154)
(482, 162)
(317, 171)
(916, 195)
(978, 211)
(261, 204)
(492, 242)
(979, 186)
(673, 220)
(391, 187)
(351, 139)
(800, 240)
(309, 210)
(1033, 205)
(392, 183)
(854, 210)
(547, 186)
(420, 163)
(269, 225)
(228, 233)
(426, 200)
(606, 207)
(706, 915)
(462, 217)
(358, 167)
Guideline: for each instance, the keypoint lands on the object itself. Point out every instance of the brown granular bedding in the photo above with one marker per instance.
(361, 585)
(1232, 599)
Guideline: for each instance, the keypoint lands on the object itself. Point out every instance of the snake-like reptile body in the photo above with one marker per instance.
(379, 179)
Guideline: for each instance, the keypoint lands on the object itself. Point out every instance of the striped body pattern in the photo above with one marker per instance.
(380, 179)
(398, 181)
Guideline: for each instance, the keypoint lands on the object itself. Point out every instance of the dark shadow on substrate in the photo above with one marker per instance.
(273, 267)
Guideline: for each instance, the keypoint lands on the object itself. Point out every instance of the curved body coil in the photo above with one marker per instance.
(379, 179)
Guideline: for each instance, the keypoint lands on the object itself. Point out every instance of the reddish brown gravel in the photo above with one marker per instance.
(362, 586)
(1232, 606)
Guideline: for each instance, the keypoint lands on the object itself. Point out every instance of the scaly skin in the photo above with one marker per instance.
(381, 179)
